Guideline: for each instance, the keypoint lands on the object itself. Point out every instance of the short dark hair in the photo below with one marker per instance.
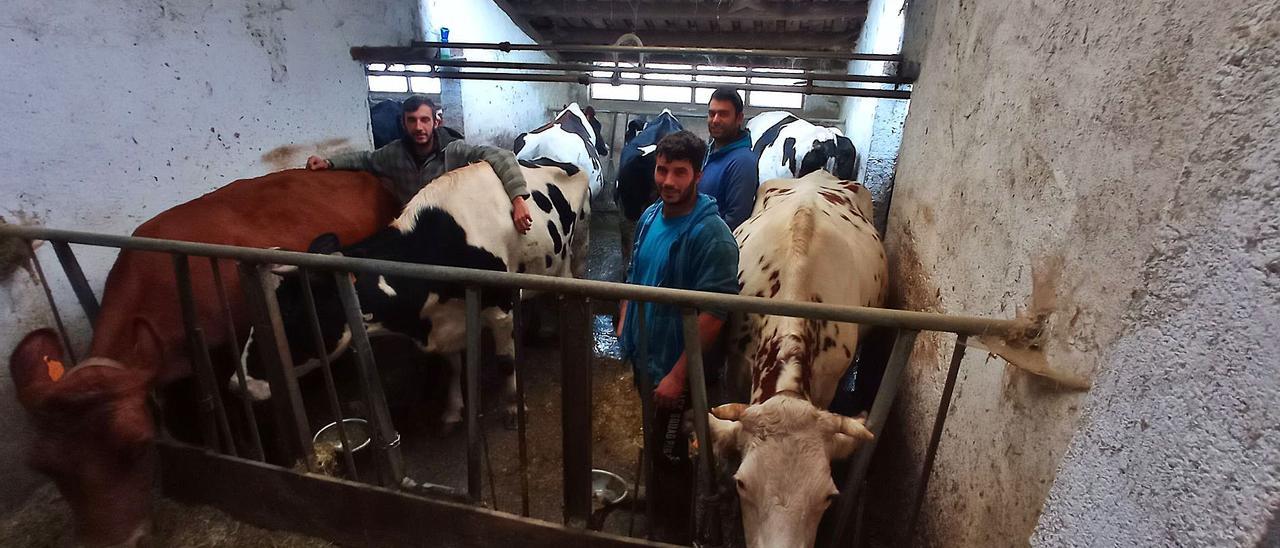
(728, 94)
(683, 145)
(415, 102)
(589, 111)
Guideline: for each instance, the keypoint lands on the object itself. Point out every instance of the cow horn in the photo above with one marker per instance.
(729, 411)
(855, 428)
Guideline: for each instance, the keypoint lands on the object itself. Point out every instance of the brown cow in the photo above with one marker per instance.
(93, 427)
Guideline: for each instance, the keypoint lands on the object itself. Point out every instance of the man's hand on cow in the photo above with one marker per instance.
(520, 215)
(316, 163)
(667, 394)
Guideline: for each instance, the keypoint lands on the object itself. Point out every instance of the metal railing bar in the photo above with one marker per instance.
(287, 408)
(585, 67)
(322, 362)
(79, 284)
(213, 418)
(385, 439)
(53, 305)
(646, 411)
(233, 342)
(575, 394)
(939, 421)
(697, 382)
(902, 319)
(902, 346)
(517, 322)
(371, 52)
(472, 381)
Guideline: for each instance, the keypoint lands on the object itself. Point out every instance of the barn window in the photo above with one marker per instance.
(628, 92)
(398, 78)
(702, 96)
(700, 87)
(776, 99)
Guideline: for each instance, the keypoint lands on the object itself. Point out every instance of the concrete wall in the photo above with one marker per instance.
(1117, 165)
(496, 112)
(115, 114)
(875, 125)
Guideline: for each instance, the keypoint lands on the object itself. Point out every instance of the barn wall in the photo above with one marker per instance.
(1114, 164)
(496, 112)
(114, 114)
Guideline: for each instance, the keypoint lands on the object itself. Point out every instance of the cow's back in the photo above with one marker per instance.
(810, 240)
(287, 209)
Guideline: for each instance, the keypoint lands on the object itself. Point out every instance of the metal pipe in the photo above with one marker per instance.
(213, 419)
(474, 478)
(697, 382)
(585, 67)
(646, 409)
(902, 319)
(586, 79)
(80, 285)
(322, 358)
(575, 394)
(902, 346)
(233, 346)
(385, 438)
(940, 420)
(359, 52)
(517, 322)
(53, 305)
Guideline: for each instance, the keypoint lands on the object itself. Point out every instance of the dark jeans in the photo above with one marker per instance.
(669, 481)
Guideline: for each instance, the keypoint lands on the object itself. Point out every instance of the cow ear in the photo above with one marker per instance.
(848, 434)
(36, 364)
(325, 244)
(724, 436)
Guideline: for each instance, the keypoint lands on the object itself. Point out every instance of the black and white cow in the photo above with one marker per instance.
(785, 438)
(635, 167)
(461, 219)
(568, 139)
(789, 147)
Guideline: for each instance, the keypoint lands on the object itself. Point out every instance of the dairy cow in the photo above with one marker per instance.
(810, 240)
(635, 167)
(92, 427)
(568, 139)
(461, 219)
(789, 147)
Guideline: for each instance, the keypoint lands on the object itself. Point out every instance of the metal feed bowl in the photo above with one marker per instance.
(357, 430)
(608, 487)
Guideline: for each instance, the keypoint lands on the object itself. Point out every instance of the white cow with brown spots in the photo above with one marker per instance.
(808, 239)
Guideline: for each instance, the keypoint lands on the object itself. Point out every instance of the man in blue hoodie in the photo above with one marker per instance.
(680, 243)
(730, 173)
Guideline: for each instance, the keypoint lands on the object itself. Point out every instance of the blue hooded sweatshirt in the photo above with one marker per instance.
(731, 175)
(703, 257)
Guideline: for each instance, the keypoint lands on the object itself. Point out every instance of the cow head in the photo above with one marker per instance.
(786, 446)
(93, 432)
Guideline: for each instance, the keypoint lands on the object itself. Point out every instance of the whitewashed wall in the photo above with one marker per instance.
(113, 114)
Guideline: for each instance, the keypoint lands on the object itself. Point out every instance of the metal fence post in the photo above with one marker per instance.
(575, 411)
(517, 323)
(294, 439)
(940, 420)
(79, 284)
(235, 356)
(902, 346)
(385, 438)
(700, 407)
(331, 391)
(210, 406)
(474, 477)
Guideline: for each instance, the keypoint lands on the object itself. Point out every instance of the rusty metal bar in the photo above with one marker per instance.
(233, 345)
(575, 410)
(213, 418)
(517, 322)
(474, 478)
(697, 382)
(53, 305)
(646, 412)
(901, 319)
(385, 438)
(79, 284)
(939, 421)
(322, 358)
(361, 53)
(294, 439)
(902, 346)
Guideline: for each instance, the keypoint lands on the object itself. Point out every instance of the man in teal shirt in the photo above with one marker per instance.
(682, 243)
